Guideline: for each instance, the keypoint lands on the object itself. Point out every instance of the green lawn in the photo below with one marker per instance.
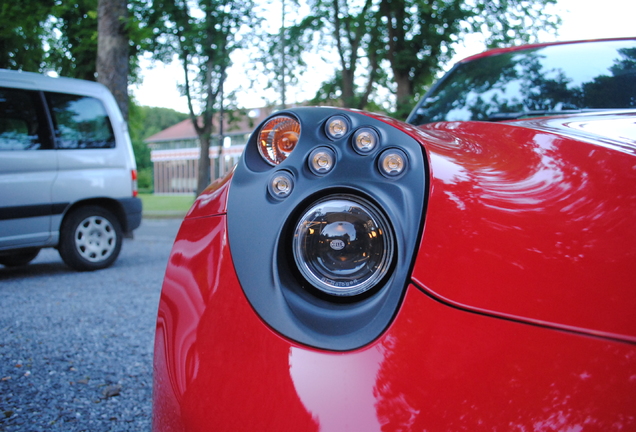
(166, 205)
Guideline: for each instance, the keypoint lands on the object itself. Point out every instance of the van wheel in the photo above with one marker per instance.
(90, 238)
(19, 258)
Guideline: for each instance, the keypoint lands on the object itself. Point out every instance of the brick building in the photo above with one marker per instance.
(174, 151)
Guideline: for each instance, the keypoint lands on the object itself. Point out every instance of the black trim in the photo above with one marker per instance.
(132, 209)
(27, 211)
(50, 128)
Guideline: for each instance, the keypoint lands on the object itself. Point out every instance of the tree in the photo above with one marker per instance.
(112, 50)
(22, 32)
(203, 34)
(411, 39)
(143, 122)
(72, 39)
(420, 34)
(355, 33)
(347, 32)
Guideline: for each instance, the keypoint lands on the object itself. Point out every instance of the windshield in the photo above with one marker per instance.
(536, 81)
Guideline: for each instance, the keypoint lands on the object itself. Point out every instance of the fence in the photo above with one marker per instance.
(175, 170)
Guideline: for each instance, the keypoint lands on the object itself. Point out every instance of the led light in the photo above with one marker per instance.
(281, 185)
(336, 127)
(393, 163)
(322, 160)
(365, 140)
(277, 138)
(343, 245)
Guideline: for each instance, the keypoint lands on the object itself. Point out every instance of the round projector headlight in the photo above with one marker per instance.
(343, 245)
(277, 138)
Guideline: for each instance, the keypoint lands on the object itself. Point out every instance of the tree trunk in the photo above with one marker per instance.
(347, 83)
(203, 174)
(112, 50)
(403, 94)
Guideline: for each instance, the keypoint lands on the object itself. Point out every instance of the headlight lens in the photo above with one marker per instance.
(281, 185)
(322, 160)
(336, 127)
(393, 163)
(343, 245)
(365, 140)
(277, 138)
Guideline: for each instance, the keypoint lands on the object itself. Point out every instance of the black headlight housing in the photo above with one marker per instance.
(323, 241)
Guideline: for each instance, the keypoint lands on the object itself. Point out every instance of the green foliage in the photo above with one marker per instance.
(166, 205)
(22, 32)
(61, 36)
(73, 39)
(141, 35)
(146, 121)
(145, 181)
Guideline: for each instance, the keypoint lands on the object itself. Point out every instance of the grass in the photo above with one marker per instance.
(166, 205)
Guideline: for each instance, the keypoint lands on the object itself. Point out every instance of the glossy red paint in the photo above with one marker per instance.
(615, 130)
(218, 367)
(531, 225)
(213, 200)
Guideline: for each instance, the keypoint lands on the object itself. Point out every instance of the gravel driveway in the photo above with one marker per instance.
(76, 348)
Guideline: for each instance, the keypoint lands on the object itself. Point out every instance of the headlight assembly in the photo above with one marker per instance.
(323, 227)
(343, 245)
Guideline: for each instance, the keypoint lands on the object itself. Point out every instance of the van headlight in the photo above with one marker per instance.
(343, 245)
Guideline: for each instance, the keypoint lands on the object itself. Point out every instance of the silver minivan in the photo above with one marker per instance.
(68, 177)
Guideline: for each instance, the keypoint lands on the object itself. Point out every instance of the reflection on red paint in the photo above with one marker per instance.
(212, 370)
(338, 390)
(437, 368)
(213, 199)
(527, 224)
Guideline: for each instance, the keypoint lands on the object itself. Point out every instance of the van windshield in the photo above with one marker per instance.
(537, 81)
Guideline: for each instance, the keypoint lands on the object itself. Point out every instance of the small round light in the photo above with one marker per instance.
(365, 140)
(343, 245)
(281, 185)
(336, 127)
(277, 138)
(393, 163)
(322, 160)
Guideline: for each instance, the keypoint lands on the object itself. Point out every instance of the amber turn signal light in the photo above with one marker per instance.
(278, 138)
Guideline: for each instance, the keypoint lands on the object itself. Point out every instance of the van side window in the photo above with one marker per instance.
(80, 122)
(22, 121)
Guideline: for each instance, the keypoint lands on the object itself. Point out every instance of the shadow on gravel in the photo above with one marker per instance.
(32, 270)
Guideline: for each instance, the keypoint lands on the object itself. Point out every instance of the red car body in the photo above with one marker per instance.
(517, 312)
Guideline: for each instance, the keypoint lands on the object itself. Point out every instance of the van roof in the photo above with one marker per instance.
(36, 81)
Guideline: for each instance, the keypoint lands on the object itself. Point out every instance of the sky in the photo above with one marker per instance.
(581, 19)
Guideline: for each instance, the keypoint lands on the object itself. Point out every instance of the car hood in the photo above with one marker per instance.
(531, 221)
(616, 130)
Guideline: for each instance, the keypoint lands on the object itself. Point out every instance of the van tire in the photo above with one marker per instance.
(90, 238)
(19, 258)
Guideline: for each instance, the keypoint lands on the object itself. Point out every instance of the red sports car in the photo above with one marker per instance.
(471, 269)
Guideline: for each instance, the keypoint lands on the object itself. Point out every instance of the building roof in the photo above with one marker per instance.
(234, 122)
